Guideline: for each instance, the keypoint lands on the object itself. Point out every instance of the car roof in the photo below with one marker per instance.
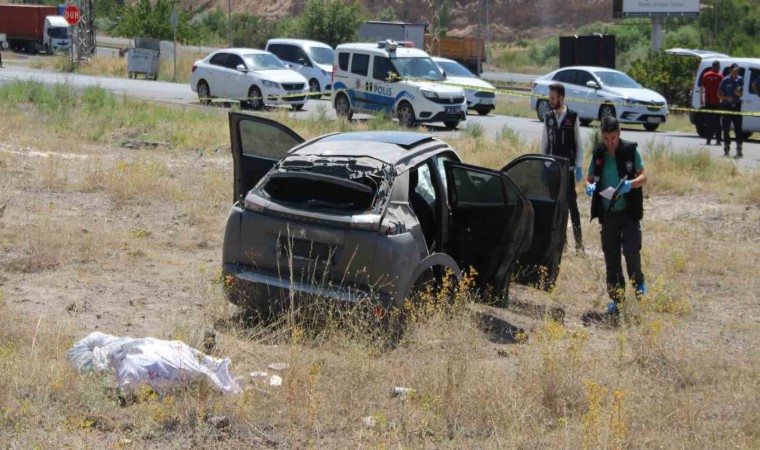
(241, 51)
(301, 42)
(446, 60)
(391, 147)
(730, 60)
(589, 68)
(373, 48)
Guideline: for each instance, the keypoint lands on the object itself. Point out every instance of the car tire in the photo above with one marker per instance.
(405, 115)
(297, 107)
(651, 126)
(204, 93)
(452, 125)
(607, 110)
(585, 122)
(255, 98)
(542, 107)
(314, 86)
(343, 106)
(700, 125)
(482, 111)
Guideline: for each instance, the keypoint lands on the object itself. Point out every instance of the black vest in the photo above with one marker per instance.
(625, 156)
(562, 138)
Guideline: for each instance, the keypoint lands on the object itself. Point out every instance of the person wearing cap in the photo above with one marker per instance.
(617, 165)
(708, 98)
(562, 137)
(730, 95)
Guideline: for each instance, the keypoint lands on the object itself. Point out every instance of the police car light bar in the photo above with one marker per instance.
(391, 45)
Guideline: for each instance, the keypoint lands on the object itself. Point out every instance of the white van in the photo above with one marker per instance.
(57, 37)
(749, 69)
(401, 81)
(312, 59)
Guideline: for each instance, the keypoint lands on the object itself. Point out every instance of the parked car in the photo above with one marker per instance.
(596, 92)
(255, 77)
(311, 59)
(482, 101)
(360, 215)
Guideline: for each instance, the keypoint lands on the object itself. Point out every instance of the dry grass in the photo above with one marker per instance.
(128, 240)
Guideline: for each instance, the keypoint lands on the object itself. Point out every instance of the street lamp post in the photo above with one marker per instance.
(229, 21)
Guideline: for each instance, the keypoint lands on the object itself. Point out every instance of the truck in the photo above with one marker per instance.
(34, 28)
(461, 49)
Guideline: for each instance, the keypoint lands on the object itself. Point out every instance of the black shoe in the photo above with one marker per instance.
(725, 152)
(738, 155)
(708, 142)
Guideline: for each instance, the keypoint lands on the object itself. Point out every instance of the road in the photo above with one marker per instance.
(529, 129)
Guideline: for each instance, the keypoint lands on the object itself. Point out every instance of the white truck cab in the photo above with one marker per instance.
(400, 81)
(56, 38)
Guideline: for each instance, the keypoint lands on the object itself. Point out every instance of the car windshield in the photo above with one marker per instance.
(263, 61)
(617, 80)
(58, 33)
(454, 69)
(322, 55)
(417, 67)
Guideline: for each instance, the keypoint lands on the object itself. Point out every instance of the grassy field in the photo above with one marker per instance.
(98, 237)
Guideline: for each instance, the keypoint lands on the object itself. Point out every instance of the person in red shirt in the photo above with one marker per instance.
(708, 97)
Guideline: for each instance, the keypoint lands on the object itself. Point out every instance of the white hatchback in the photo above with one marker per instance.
(312, 59)
(254, 77)
(596, 92)
(480, 94)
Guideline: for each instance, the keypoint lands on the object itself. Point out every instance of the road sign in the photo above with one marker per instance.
(72, 14)
(174, 19)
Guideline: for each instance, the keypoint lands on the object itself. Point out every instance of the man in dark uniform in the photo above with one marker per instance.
(562, 137)
(615, 177)
(708, 97)
(730, 95)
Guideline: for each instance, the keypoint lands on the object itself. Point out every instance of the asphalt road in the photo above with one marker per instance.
(529, 129)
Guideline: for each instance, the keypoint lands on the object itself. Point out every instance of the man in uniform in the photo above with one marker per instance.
(708, 97)
(730, 95)
(615, 177)
(562, 137)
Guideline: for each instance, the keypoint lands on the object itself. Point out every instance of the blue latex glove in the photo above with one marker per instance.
(590, 188)
(626, 187)
(578, 174)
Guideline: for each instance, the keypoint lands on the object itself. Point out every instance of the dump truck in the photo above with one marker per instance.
(34, 28)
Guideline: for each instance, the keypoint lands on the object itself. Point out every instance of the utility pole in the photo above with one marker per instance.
(488, 32)
(656, 33)
(229, 21)
(480, 36)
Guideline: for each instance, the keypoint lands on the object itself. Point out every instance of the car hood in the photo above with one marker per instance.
(280, 76)
(465, 81)
(441, 89)
(326, 67)
(641, 94)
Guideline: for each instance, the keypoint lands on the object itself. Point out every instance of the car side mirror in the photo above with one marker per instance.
(288, 65)
(241, 68)
(592, 84)
(443, 72)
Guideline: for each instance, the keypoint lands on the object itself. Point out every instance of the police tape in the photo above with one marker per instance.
(506, 92)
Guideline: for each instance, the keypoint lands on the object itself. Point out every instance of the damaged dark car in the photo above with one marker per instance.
(368, 215)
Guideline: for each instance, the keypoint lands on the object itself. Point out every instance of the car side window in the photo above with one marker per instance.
(219, 59)
(360, 64)
(343, 60)
(754, 81)
(727, 71)
(565, 76)
(381, 67)
(582, 77)
(300, 57)
(439, 163)
(233, 61)
(276, 50)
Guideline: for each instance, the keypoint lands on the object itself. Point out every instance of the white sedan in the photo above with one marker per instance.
(480, 93)
(254, 77)
(596, 92)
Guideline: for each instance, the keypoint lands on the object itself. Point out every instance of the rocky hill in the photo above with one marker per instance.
(509, 18)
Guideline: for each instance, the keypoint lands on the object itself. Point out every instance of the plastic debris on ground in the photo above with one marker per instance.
(150, 361)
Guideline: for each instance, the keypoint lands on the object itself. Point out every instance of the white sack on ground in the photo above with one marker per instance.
(149, 361)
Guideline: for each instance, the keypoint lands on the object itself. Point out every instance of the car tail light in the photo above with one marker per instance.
(194, 67)
(332, 76)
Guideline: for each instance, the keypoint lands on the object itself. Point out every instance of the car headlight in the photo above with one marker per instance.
(631, 102)
(428, 94)
(270, 84)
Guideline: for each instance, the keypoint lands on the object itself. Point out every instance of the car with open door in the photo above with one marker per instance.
(368, 215)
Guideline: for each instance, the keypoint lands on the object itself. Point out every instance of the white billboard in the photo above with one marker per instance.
(660, 7)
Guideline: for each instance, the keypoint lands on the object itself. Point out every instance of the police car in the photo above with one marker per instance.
(398, 80)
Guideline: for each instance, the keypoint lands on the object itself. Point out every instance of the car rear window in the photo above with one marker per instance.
(339, 185)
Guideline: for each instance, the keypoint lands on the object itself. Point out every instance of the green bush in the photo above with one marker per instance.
(671, 76)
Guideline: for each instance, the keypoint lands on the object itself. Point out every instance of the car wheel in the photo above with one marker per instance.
(651, 126)
(585, 122)
(343, 107)
(255, 98)
(204, 93)
(482, 111)
(700, 125)
(314, 85)
(405, 115)
(451, 125)
(297, 107)
(607, 111)
(542, 108)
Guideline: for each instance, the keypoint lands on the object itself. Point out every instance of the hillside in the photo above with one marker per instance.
(508, 17)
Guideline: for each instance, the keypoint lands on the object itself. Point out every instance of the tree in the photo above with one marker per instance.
(142, 19)
(332, 22)
(672, 76)
(387, 15)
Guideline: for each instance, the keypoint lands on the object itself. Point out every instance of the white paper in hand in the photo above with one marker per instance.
(608, 193)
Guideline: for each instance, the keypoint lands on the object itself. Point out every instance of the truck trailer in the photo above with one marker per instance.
(34, 28)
